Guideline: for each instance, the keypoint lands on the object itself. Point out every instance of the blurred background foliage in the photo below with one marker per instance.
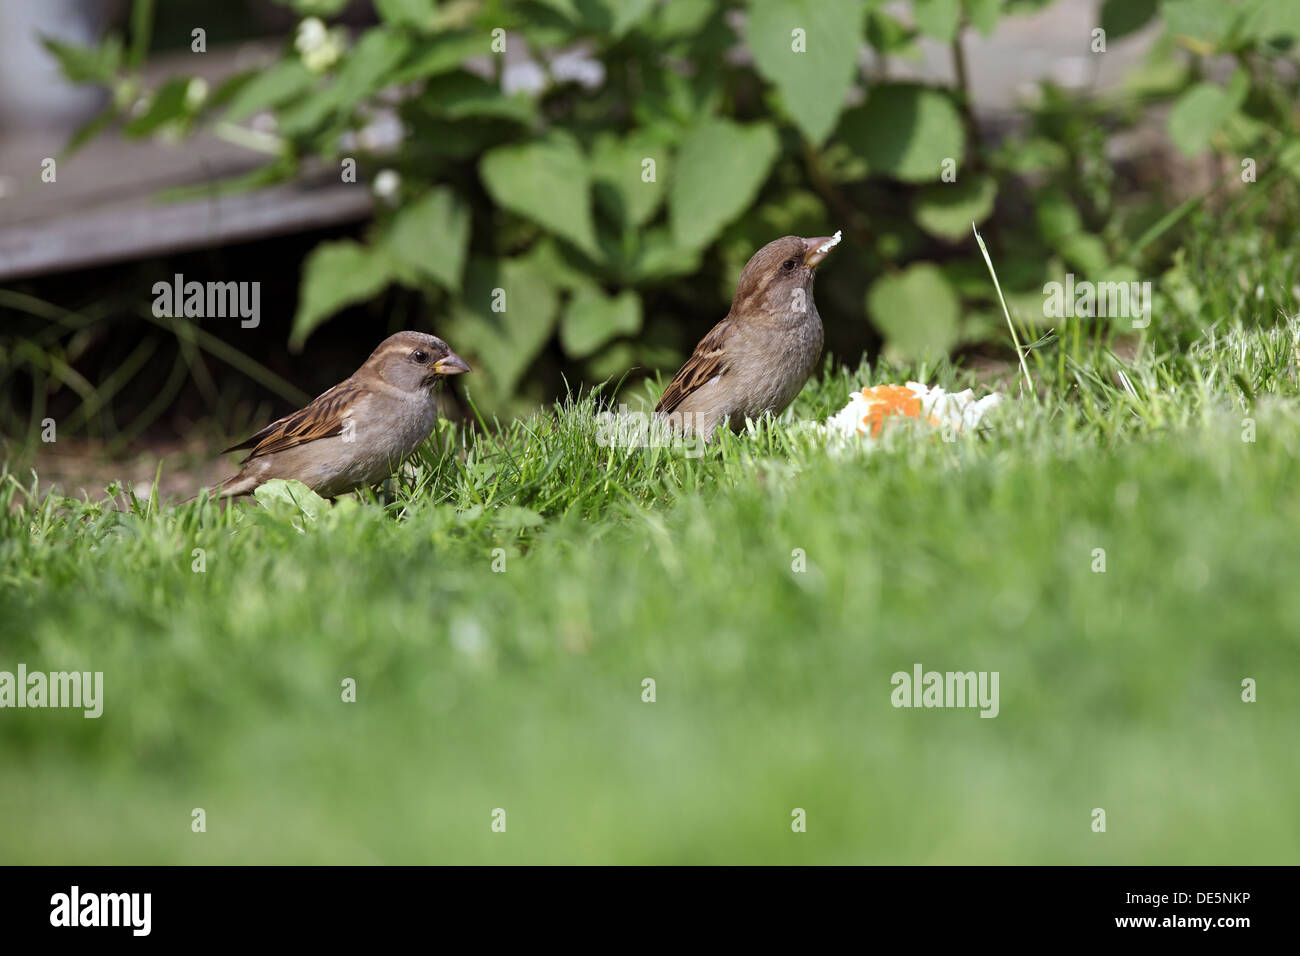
(568, 189)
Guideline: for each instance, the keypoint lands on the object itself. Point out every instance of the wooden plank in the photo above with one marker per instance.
(102, 207)
(137, 228)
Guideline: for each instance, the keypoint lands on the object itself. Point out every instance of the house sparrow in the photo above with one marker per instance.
(359, 431)
(756, 359)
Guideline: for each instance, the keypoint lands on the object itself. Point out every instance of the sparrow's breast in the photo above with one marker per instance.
(390, 427)
(778, 363)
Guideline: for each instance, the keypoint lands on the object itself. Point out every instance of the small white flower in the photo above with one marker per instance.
(312, 35)
(383, 133)
(196, 93)
(525, 77)
(386, 185)
(319, 47)
(576, 66)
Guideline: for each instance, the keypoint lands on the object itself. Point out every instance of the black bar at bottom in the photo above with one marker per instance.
(333, 905)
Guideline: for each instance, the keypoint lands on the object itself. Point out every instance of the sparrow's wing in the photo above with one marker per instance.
(706, 363)
(322, 418)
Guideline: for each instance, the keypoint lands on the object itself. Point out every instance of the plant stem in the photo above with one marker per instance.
(964, 98)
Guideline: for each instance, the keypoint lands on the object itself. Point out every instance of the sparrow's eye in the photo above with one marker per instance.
(420, 355)
(787, 265)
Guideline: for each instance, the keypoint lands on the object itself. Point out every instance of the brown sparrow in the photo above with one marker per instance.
(756, 359)
(361, 430)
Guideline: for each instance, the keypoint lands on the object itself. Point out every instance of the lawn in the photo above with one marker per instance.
(501, 606)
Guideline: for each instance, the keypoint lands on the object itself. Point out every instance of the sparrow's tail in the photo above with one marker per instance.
(232, 487)
(240, 484)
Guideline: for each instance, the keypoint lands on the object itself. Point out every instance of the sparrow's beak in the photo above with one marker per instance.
(451, 364)
(818, 249)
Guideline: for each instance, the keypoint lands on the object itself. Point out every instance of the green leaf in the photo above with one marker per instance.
(671, 104)
(947, 210)
(1204, 25)
(276, 171)
(505, 341)
(461, 95)
(620, 174)
(659, 257)
(548, 181)
(430, 136)
(1086, 253)
(1288, 158)
(1058, 219)
(431, 237)
(808, 50)
(984, 14)
(290, 499)
(1201, 111)
(1157, 77)
(562, 267)
(438, 54)
(316, 8)
(366, 67)
(683, 18)
(906, 132)
(917, 311)
(88, 130)
(167, 104)
(224, 93)
(627, 14)
(419, 15)
(1121, 17)
(1037, 154)
(937, 18)
(613, 362)
(888, 35)
(610, 17)
(1244, 134)
(720, 168)
(370, 64)
(285, 81)
(594, 318)
(568, 9)
(337, 274)
(1270, 21)
(98, 64)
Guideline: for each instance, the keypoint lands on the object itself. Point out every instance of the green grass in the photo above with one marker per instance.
(522, 689)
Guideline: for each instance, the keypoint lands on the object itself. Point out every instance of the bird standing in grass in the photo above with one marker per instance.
(758, 358)
(360, 431)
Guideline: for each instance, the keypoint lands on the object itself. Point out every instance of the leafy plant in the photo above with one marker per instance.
(600, 199)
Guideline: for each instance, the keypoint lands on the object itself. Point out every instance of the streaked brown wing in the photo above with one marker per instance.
(705, 363)
(321, 419)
